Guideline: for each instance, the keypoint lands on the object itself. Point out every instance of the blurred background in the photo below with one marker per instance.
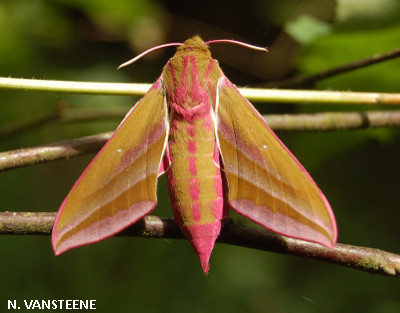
(358, 170)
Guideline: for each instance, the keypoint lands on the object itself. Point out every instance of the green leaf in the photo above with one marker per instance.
(306, 28)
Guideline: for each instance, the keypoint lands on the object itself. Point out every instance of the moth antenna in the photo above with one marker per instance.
(237, 43)
(148, 51)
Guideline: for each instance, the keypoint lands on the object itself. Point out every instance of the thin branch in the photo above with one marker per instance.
(253, 94)
(327, 121)
(26, 223)
(303, 122)
(74, 87)
(366, 259)
(312, 79)
(52, 152)
(331, 121)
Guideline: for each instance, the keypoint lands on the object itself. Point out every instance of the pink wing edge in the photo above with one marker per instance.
(224, 82)
(164, 164)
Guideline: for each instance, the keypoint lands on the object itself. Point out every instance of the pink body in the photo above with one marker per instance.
(194, 177)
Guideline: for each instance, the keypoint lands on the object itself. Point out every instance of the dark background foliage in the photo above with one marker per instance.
(358, 170)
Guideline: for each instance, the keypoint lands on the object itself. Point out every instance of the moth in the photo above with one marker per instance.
(216, 151)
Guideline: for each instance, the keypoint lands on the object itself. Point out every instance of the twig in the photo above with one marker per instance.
(310, 80)
(74, 87)
(330, 121)
(26, 223)
(253, 94)
(303, 122)
(52, 152)
(366, 259)
(327, 121)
